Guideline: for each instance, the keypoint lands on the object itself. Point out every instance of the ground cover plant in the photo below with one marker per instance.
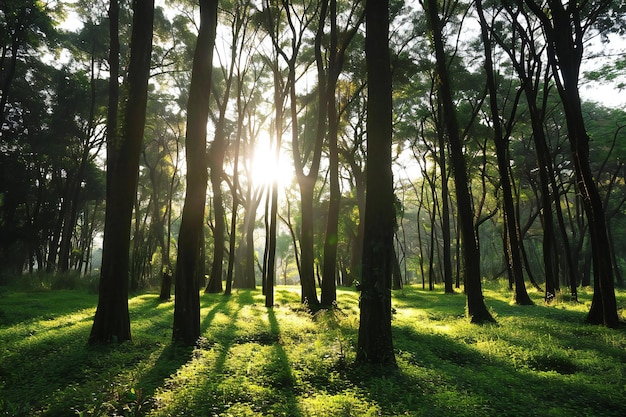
(252, 361)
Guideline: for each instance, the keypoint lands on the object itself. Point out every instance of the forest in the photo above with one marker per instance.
(201, 148)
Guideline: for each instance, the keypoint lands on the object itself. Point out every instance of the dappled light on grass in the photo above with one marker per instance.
(254, 361)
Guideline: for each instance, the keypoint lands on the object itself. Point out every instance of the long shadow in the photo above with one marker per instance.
(25, 306)
(446, 377)
(285, 380)
(566, 326)
(219, 335)
(54, 366)
(175, 355)
(244, 338)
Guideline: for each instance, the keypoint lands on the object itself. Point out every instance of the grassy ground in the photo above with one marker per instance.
(251, 361)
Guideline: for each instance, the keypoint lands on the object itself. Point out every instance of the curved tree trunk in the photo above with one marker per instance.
(476, 308)
(564, 31)
(189, 264)
(112, 322)
(512, 239)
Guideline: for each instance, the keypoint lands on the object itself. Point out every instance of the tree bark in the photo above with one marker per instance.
(375, 344)
(189, 265)
(329, 271)
(512, 238)
(476, 308)
(564, 30)
(445, 217)
(112, 322)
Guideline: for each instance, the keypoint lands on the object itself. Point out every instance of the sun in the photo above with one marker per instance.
(268, 167)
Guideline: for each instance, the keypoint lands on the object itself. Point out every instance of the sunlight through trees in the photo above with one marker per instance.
(244, 147)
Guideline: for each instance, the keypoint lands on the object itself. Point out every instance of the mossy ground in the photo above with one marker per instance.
(252, 361)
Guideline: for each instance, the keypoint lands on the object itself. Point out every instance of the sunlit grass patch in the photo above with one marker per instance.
(291, 361)
(345, 404)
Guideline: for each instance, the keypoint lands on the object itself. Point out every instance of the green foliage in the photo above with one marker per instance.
(252, 361)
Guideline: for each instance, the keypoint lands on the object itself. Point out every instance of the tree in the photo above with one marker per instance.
(217, 153)
(512, 242)
(476, 308)
(189, 264)
(26, 25)
(111, 322)
(305, 152)
(336, 52)
(564, 27)
(375, 344)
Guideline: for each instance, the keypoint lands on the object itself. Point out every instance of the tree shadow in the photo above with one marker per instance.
(284, 379)
(238, 366)
(25, 306)
(441, 376)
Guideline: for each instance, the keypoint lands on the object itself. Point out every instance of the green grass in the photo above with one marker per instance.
(537, 361)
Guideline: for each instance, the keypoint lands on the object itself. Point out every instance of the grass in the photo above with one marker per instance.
(253, 361)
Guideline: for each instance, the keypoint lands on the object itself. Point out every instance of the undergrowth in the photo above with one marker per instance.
(288, 361)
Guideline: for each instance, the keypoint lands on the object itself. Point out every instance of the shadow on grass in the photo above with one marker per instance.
(25, 306)
(49, 368)
(176, 355)
(443, 377)
(284, 361)
(238, 368)
(284, 380)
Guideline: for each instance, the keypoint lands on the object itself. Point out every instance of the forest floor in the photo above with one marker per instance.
(252, 361)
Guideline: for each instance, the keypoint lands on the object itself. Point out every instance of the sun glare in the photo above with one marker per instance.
(267, 167)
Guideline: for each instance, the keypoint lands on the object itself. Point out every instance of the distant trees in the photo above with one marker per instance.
(49, 181)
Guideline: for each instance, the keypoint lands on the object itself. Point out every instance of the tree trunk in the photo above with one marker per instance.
(512, 239)
(564, 31)
(271, 258)
(215, 278)
(329, 272)
(216, 157)
(189, 265)
(233, 219)
(476, 308)
(445, 216)
(375, 344)
(112, 322)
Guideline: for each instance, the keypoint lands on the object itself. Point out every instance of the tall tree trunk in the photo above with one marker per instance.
(233, 219)
(189, 264)
(564, 31)
(445, 216)
(375, 344)
(271, 256)
(359, 184)
(335, 66)
(215, 278)
(112, 322)
(329, 272)
(216, 158)
(306, 182)
(529, 71)
(476, 308)
(512, 238)
(271, 206)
